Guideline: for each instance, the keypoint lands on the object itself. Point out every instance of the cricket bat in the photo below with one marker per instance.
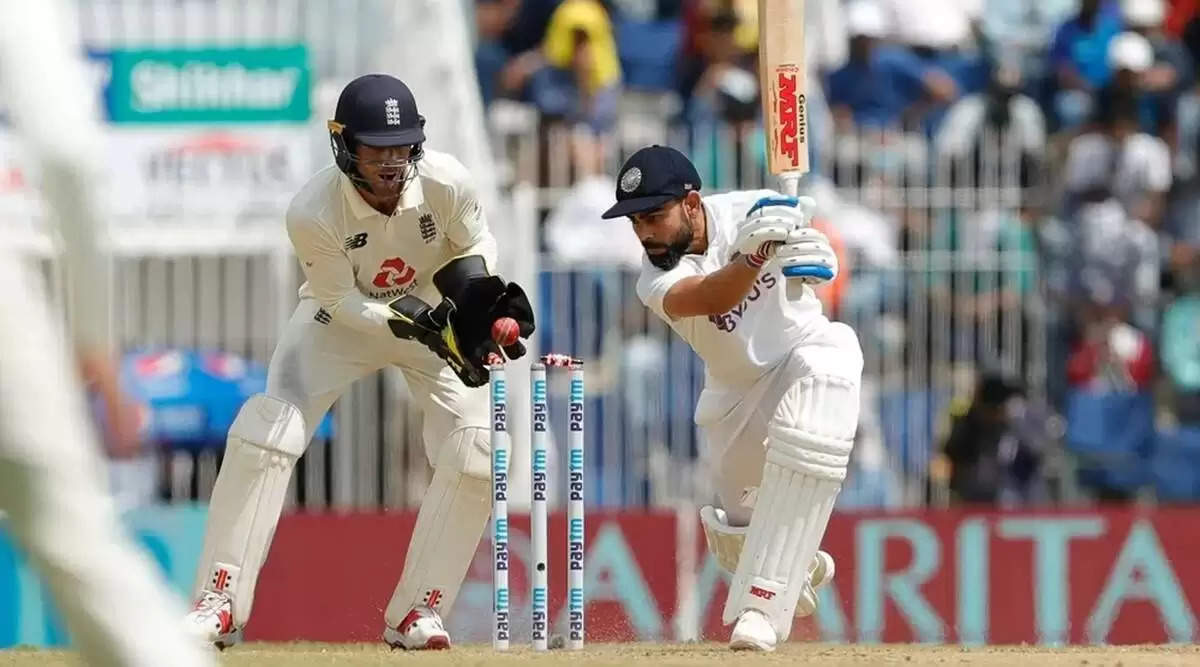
(783, 82)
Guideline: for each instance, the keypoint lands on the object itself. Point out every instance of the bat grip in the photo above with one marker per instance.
(790, 182)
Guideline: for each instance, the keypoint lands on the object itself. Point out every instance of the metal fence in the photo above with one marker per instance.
(941, 265)
(942, 281)
(939, 295)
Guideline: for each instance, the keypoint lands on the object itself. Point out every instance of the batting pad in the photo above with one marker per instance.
(266, 439)
(451, 521)
(724, 541)
(808, 448)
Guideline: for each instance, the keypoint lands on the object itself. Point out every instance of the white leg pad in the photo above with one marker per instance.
(808, 448)
(725, 543)
(264, 443)
(449, 526)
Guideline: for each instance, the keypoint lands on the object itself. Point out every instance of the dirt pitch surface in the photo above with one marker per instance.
(668, 655)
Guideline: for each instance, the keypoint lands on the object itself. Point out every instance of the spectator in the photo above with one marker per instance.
(581, 83)
(995, 446)
(1109, 409)
(1119, 160)
(1110, 355)
(939, 33)
(719, 84)
(1078, 57)
(1179, 15)
(509, 51)
(1116, 258)
(1130, 60)
(1180, 347)
(1171, 71)
(932, 27)
(1023, 29)
(1000, 127)
(881, 84)
(574, 232)
(492, 19)
(1182, 224)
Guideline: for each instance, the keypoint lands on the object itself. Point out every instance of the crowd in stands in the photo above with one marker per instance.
(1099, 102)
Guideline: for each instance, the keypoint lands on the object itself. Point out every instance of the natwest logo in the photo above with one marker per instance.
(394, 272)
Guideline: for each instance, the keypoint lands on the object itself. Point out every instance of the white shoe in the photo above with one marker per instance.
(753, 632)
(820, 573)
(420, 630)
(211, 620)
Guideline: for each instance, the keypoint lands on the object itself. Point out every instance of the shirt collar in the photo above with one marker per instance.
(412, 197)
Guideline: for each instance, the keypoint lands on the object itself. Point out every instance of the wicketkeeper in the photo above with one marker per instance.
(400, 267)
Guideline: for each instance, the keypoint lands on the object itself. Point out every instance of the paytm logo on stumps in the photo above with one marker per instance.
(500, 473)
(575, 474)
(539, 393)
(575, 605)
(499, 404)
(577, 404)
(500, 532)
(502, 625)
(575, 539)
(539, 613)
(539, 474)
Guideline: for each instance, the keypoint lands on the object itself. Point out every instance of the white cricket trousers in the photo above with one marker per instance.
(53, 488)
(733, 423)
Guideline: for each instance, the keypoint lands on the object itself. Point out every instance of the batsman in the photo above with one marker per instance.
(780, 403)
(399, 263)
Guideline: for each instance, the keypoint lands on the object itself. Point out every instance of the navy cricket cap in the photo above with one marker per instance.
(379, 110)
(652, 177)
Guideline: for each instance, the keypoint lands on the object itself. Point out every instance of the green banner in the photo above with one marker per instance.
(218, 85)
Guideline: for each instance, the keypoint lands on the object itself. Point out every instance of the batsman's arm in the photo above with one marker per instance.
(712, 294)
(331, 276)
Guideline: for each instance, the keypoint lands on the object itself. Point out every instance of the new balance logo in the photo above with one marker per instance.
(323, 316)
(428, 230)
(762, 593)
(357, 241)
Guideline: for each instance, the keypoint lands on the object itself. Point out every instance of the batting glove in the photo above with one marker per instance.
(808, 257)
(768, 224)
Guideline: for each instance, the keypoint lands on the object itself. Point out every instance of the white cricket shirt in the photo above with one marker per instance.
(357, 259)
(741, 345)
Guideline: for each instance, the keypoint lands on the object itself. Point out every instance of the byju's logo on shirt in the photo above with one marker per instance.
(729, 321)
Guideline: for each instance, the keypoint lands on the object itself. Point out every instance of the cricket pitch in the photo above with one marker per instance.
(666, 655)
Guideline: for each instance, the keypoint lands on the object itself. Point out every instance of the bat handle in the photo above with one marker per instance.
(789, 181)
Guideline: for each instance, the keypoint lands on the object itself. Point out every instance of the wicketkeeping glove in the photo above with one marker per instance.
(413, 319)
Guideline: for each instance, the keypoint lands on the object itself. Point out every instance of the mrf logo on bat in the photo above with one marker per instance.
(791, 124)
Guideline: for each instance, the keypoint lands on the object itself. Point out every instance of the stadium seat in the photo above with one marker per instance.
(1176, 465)
(1113, 436)
(649, 51)
(910, 421)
